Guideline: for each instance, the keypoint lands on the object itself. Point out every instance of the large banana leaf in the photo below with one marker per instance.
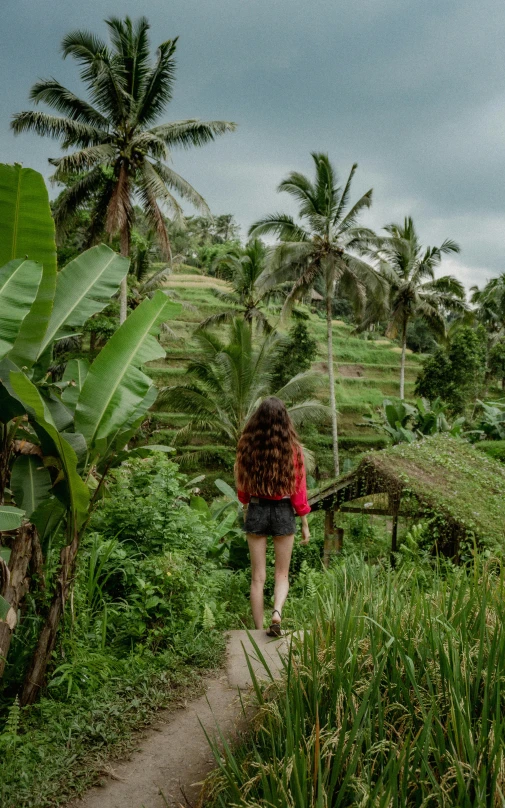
(19, 283)
(27, 232)
(75, 373)
(31, 332)
(83, 288)
(78, 494)
(115, 387)
(10, 406)
(26, 224)
(30, 483)
(10, 517)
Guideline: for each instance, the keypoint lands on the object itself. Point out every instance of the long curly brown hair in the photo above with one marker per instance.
(269, 454)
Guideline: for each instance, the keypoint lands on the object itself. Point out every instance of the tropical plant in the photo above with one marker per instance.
(413, 291)
(406, 423)
(325, 244)
(492, 420)
(242, 267)
(489, 304)
(121, 155)
(228, 381)
(496, 361)
(58, 440)
(455, 373)
(295, 354)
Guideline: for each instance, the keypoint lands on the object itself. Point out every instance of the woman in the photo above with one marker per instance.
(270, 477)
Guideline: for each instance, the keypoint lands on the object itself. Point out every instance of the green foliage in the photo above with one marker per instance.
(492, 420)
(496, 360)
(27, 225)
(406, 423)
(226, 383)
(493, 448)
(295, 355)
(456, 373)
(392, 696)
(420, 337)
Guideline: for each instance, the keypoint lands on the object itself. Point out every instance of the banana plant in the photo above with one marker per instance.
(59, 439)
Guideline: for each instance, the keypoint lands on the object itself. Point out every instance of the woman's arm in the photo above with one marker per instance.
(305, 531)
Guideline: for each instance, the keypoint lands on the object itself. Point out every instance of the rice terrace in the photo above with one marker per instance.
(252, 405)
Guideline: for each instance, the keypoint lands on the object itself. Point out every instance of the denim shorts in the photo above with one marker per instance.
(270, 518)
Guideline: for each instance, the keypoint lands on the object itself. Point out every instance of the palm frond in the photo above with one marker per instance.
(301, 386)
(76, 195)
(309, 412)
(192, 132)
(70, 132)
(159, 83)
(51, 92)
(82, 160)
(182, 187)
(281, 225)
(344, 198)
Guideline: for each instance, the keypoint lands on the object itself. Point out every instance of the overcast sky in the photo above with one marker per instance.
(412, 90)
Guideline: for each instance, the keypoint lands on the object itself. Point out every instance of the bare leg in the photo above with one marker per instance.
(283, 546)
(258, 553)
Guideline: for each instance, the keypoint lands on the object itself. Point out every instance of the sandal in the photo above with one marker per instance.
(275, 628)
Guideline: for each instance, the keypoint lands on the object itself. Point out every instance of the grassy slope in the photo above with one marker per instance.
(369, 370)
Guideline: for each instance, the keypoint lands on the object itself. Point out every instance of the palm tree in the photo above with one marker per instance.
(242, 267)
(324, 245)
(229, 380)
(118, 153)
(490, 303)
(413, 291)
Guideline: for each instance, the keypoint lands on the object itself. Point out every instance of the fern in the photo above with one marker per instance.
(13, 719)
(208, 621)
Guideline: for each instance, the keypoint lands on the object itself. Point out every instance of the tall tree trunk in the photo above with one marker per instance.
(36, 675)
(123, 294)
(402, 366)
(331, 376)
(15, 585)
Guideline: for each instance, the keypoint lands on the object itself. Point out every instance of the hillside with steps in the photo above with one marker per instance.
(367, 370)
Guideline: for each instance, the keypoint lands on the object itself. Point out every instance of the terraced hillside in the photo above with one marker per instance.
(368, 371)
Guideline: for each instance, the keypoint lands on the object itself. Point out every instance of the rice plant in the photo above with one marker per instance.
(394, 697)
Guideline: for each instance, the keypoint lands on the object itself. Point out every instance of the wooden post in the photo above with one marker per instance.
(333, 537)
(395, 507)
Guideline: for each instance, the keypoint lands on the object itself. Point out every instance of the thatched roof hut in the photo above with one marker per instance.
(445, 478)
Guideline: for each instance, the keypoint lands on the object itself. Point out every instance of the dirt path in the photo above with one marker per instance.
(173, 756)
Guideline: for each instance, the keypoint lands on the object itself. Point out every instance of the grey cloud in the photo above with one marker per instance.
(413, 91)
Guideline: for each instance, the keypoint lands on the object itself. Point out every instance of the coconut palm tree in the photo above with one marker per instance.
(118, 152)
(228, 381)
(413, 291)
(490, 304)
(325, 244)
(242, 268)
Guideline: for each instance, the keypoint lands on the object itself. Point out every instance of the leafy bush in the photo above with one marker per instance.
(455, 374)
(406, 423)
(295, 356)
(493, 448)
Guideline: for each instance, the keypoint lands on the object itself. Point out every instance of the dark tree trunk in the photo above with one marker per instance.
(36, 675)
(15, 585)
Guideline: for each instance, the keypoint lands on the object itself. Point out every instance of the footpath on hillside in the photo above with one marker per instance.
(173, 756)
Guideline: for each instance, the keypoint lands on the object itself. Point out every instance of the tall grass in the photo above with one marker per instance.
(394, 697)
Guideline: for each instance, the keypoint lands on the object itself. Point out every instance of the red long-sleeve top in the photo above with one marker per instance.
(298, 499)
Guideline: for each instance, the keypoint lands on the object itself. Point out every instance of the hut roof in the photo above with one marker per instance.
(446, 476)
